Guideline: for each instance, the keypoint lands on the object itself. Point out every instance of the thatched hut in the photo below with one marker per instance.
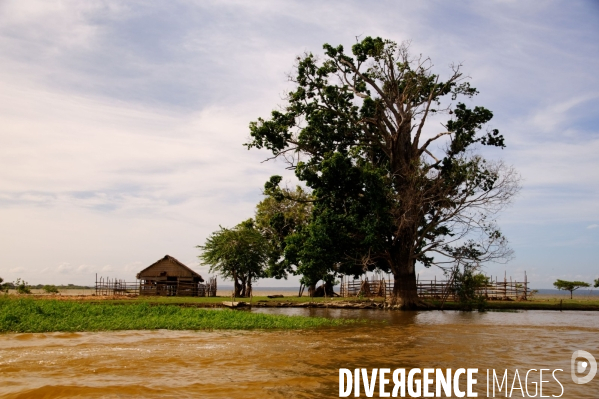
(170, 277)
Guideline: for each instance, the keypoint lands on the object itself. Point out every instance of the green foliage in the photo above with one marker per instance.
(3, 287)
(352, 132)
(35, 316)
(569, 285)
(22, 287)
(50, 289)
(239, 254)
(596, 285)
(279, 215)
(467, 284)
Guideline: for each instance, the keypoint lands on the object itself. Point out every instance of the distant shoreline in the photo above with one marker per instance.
(227, 291)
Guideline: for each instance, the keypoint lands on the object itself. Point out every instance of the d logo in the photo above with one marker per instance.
(582, 366)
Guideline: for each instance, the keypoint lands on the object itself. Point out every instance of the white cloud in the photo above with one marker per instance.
(592, 226)
(16, 270)
(122, 125)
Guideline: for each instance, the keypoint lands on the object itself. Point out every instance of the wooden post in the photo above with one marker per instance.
(513, 287)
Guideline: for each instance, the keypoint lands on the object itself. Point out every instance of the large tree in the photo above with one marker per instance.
(239, 254)
(388, 192)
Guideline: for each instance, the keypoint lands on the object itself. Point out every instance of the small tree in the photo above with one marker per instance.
(596, 283)
(570, 285)
(239, 254)
(279, 215)
(466, 287)
(22, 286)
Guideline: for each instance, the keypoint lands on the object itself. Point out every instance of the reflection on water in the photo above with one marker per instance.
(291, 364)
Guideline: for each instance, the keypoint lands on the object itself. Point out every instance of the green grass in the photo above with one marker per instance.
(44, 315)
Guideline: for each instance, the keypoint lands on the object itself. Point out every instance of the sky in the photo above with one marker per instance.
(122, 123)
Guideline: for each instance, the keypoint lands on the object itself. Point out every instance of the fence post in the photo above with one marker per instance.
(513, 287)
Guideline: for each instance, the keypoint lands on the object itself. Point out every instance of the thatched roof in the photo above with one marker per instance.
(168, 266)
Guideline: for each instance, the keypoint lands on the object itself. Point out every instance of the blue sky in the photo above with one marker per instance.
(122, 123)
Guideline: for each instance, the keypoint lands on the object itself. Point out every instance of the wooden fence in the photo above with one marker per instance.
(436, 289)
(112, 287)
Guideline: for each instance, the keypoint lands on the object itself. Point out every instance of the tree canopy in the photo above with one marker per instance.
(569, 285)
(239, 254)
(281, 214)
(385, 197)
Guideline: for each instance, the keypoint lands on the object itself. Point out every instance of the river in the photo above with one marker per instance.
(296, 364)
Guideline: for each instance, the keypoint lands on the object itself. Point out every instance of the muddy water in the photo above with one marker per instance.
(294, 364)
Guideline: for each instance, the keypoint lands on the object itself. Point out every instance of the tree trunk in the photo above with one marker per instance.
(237, 286)
(242, 294)
(405, 291)
(325, 289)
(312, 289)
(402, 262)
(248, 289)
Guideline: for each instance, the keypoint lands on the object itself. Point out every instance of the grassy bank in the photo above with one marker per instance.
(536, 303)
(43, 315)
(581, 303)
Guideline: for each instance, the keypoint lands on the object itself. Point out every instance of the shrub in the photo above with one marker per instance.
(50, 289)
(466, 285)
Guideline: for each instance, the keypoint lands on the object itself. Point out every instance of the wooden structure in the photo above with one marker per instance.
(435, 289)
(169, 277)
(111, 287)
